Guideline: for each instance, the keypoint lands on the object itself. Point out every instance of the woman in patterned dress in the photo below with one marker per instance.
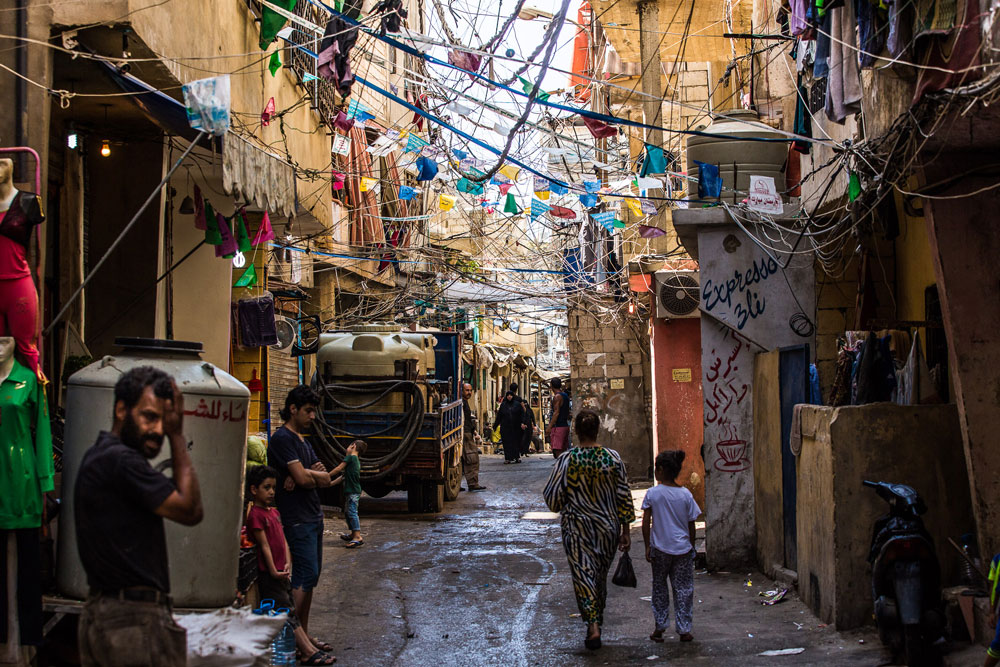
(589, 487)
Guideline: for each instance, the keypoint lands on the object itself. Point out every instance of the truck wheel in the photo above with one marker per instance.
(453, 476)
(414, 497)
(433, 497)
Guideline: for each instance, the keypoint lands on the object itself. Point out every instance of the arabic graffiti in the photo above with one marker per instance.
(749, 304)
(724, 388)
(236, 412)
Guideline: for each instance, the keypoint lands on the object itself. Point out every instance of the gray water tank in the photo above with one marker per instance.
(204, 559)
(737, 155)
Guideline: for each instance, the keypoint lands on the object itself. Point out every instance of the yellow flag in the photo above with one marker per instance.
(446, 202)
(367, 183)
(634, 206)
(510, 171)
(543, 195)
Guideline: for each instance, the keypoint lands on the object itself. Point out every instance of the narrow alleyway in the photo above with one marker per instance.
(486, 583)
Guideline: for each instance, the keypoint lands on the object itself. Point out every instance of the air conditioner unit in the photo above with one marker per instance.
(678, 294)
(287, 333)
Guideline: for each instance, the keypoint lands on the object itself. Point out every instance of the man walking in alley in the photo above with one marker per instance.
(301, 473)
(558, 432)
(121, 501)
(512, 423)
(470, 446)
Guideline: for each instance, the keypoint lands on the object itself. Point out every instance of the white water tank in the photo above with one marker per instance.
(203, 559)
(733, 148)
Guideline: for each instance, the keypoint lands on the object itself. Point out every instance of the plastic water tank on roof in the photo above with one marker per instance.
(738, 156)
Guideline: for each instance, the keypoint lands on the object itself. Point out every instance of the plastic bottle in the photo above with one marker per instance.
(283, 646)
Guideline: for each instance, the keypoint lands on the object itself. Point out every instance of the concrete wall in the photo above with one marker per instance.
(767, 478)
(677, 398)
(610, 373)
(747, 305)
(914, 445)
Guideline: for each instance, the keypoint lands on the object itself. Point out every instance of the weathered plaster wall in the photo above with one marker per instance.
(914, 445)
(747, 307)
(677, 398)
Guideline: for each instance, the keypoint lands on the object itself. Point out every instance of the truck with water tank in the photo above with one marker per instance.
(401, 392)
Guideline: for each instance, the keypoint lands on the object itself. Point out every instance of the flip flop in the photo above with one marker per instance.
(656, 638)
(355, 543)
(319, 658)
(320, 644)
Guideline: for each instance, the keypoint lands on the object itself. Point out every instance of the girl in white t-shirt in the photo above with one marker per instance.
(669, 511)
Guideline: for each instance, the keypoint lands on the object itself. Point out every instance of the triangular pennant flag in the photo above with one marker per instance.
(406, 193)
(275, 63)
(367, 184)
(557, 189)
(356, 107)
(212, 235)
(414, 143)
(362, 117)
(342, 122)
(510, 171)
(446, 202)
(264, 232)
(199, 209)
(242, 236)
(427, 169)
(228, 246)
(542, 195)
(709, 181)
(471, 187)
(634, 206)
(599, 129)
(606, 218)
(504, 187)
(649, 232)
(510, 206)
(592, 186)
(619, 224)
(654, 162)
(590, 201)
(853, 186)
(538, 207)
(248, 279)
(268, 113)
(529, 87)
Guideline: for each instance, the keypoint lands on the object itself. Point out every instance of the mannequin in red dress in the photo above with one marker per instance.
(19, 213)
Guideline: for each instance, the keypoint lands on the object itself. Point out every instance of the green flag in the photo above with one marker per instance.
(242, 237)
(511, 205)
(854, 187)
(275, 63)
(212, 234)
(619, 224)
(271, 22)
(527, 87)
(248, 279)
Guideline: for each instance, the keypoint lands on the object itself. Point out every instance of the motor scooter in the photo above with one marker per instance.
(906, 578)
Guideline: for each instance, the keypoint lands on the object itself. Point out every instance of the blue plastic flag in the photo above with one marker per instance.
(427, 169)
(557, 189)
(541, 184)
(406, 193)
(592, 186)
(607, 219)
(414, 143)
(709, 180)
(538, 207)
(590, 201)
(461, 155)
(471, 187)
(654, 162)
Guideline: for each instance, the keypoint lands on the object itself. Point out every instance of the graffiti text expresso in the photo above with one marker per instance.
(741, 281)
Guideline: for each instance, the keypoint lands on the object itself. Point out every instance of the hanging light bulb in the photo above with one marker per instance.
(105, 148)
(187, 206)
(631, 307)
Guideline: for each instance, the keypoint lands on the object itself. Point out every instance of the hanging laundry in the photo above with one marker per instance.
(470, 187)
(334, 62)
(228, 246)
(650, 232)
(599, 129)
(337, 182)
(563, 212)
(510, 171)
(367, 183)
(248, 278)
(654, 162)
(268, 113)
(393, 15)
(446, 202)
(510, 206)
(871, 33)
(557, 189)
(588, 200)
(199, 209)
(470, 62)
(803, 120)
(271, 22)
(275, 64)
(342, 122)
(529, 88)
(504, 187)
(212, 235)
(709, 180)
(427, 169)
(242, 236)
(264, 232)
(843, 88)
(406, 193)
(821, 57)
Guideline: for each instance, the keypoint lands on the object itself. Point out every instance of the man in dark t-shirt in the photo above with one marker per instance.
(300, 474)
(120, 502)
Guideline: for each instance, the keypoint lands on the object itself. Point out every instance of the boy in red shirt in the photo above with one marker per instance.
(274, 559)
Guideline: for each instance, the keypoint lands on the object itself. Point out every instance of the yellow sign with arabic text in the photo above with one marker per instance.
(681, 374)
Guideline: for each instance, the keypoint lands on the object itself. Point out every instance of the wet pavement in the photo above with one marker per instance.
(486, 583)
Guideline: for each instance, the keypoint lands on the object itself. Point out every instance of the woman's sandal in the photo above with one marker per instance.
(687, 637)
(319, 658)
(657, 637)
(593, 643)
(355, 543)
(320, 644)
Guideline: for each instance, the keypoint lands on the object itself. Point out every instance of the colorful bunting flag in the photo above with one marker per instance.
(538, 207)
(362, 117)
(634, 206)
(427, 169)
(341, 145)
(470, 62)
(510, 206)
(510, 171)
(563, 212)
(406, 193)
(592, 186)
(853, 186)
(337, 182)
(648, 183)
(709, 180)
(541, 184)
(446, 202)
(367, 184)
(268, 113)
(504, 187)
(542, 195)
(248, 279)
(618, 224)
(356, 107)
(228, 246)
(654, 162)
(599, 129)
(650, 232)
(590, 201)
(212, 235)
(271, 22)
(461, 155)
(529, 87)
(470, 187)
(242, 236)
(414, 143)
(275, 64)
(648, 207)
(558, 189)
(342, 122)
(605, 218)
(264, 232)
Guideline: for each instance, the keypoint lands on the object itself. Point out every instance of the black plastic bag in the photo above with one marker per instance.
(624, 573)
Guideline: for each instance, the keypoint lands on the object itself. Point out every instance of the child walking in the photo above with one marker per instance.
(669, 511)
(274, 558)
(351, 467)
